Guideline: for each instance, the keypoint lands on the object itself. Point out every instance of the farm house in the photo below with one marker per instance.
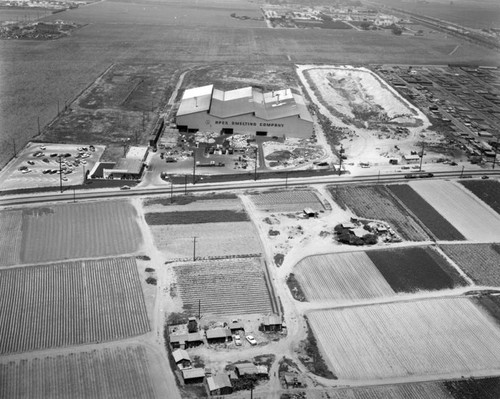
(248, 110)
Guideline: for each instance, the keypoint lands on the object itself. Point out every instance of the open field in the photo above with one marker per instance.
(225, 287)
(481, 262)
(287, 201)
(210, 202)
(419, 338)
(35, 75)
(70, 303)
(432, 219)
(194, 217)
(412, 269)
(212, 239)
(377, 202)
(11, 237)
(81, 230)
(468, 215)
(350, 275)
(488, 191)
(121, 372)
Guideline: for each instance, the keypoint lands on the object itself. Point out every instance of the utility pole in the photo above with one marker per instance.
(84, 177)
(185, 184)
(341, 152)
(57, 107)
(256, 159)
(421, 156)
(194, 248)
(38, 123)
(496, 151)
(194, 166)
(171, 192)
(199, 309)
(60, 173)
(462, 173)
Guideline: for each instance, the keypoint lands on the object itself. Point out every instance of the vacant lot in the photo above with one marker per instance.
(121, 372)
(350, 275)
(287, 201)
(79, 230)
(481, 262)
(11, 223)
(212, 239)
(432, 219)
(377, 202)
(415, 268)
(488, 191)
(70, 303)
(419, 338)
(474, 221)
(224, 287)
(194, 217)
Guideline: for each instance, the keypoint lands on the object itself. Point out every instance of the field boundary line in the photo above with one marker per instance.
(270, 289)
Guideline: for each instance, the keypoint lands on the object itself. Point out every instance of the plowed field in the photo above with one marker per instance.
(80, 230)
(419, 338)
(287, 201)
(350, 275)
(377, 202)
(70, 303)
(10, 237)
(487, 190)
(111, 373)
(225, 287)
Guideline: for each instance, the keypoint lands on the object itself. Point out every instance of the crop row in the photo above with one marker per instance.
(287, 201)
(421, 338)
(70, 303)
(79, 231)
(432, 219)
(376, 202)
(10, 237)
(349, 275)
(224, 287)
(111, 373)
(193, 217)
(481, 262)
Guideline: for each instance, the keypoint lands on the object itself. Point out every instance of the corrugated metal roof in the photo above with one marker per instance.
(246, 368)
(137, 152)
(218, 381)
(196, 372)
(218, 333)
(195, 100)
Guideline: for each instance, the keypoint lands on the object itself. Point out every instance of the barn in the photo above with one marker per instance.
(248, 110)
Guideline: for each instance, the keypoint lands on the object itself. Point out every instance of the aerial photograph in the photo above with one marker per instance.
(284, 199)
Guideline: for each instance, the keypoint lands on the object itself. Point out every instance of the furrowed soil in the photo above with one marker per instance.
(194, 217)
(487, 191)
(432, 219)
(415, 268)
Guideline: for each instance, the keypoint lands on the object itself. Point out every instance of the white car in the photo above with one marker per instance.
(43, 148)
(237, 340)
(251, 340)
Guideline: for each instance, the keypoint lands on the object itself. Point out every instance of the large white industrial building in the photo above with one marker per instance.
(248, 110)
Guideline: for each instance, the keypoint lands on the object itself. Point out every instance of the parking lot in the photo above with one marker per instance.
(49, 165)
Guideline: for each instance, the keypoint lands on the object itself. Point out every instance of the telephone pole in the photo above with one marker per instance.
(421, 156)
(256, 159)
(194, 248)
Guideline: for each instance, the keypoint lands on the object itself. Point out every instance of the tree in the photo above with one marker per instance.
(365, 25)
(396, 30)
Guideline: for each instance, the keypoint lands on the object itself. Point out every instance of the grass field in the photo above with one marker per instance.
(350, 275)
(488, 191)
(192, 217)
(412, 269)
(225, 287)
(212, 239)
(432, 219)
(70, 303)
(79, 230)
(38, 74)
(481, 262)
(376, 202)
(419, 338)
(121, 372)
(462, 209)
(11, 223)
(287, 201)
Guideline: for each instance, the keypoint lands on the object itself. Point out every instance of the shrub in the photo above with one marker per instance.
(143, 257)
(149, 269)
(278, 259)
(151, 280)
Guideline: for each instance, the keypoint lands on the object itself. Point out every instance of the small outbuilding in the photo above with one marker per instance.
(236, 327)
(186, 340)
(193, 376)
(219, 384)
(245, 368)
(272, 322)
(181, 358)
(310, 213)
(218, 335)
(293, 380)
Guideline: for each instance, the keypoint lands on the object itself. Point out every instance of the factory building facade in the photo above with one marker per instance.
(248, 110)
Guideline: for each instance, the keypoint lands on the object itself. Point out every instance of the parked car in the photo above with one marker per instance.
(237, 340)
(125, 188)
(485, 177)
(251, 340)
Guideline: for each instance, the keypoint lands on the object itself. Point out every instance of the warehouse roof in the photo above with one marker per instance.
(248, 100)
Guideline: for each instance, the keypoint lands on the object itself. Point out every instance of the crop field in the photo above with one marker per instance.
(212, 239)
(287, 201)
(419, 338)
(70, 303)
(481, 262)
(350, 275)
(462, 209)
(225, 287)
(488, 191)
(377, 202)
(10, 237)
(121, 372)
(79, 230)
(432, 219)
(411, 269)
(193, 217)
(194, 203)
